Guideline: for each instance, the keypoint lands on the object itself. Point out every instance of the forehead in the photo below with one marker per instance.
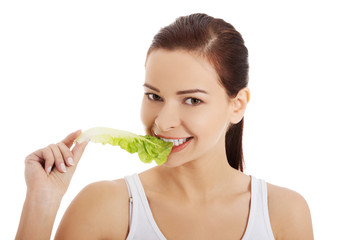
(180, 69)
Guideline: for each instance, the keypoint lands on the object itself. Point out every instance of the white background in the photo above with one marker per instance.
(68, 65)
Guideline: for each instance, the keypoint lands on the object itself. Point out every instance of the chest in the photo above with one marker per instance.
(221, 219)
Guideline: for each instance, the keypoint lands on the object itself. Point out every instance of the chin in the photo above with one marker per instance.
(172, 163)
(175, 162)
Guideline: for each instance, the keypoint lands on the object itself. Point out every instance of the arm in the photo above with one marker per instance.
(47, 179)
(289, 214)
(37, 218)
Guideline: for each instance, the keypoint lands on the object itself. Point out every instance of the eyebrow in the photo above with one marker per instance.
(151, 87)
(196, 90)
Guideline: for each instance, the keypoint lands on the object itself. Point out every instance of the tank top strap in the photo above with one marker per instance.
(141, 221)
(258, 227)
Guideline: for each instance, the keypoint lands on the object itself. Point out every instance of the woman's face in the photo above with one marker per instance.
(185, 103)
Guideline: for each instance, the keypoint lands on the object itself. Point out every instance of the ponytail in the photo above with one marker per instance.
(233, 145)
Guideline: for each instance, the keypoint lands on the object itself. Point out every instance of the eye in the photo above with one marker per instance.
(153, 97)
(193, 101)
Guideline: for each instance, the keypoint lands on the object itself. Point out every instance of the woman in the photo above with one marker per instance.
(195, 96)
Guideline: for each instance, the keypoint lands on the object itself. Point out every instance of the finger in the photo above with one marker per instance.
(37, 156)
(47, 155)
(69, 140)
(66, 153)
(78, 150)
(59, 161)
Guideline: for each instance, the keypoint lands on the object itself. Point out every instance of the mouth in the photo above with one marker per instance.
(178, 143)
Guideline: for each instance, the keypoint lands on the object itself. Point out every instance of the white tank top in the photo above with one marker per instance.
(143, 226)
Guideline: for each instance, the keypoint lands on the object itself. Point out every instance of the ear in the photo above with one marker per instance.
(238, 105)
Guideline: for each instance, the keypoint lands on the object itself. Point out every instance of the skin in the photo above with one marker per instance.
(200, 187)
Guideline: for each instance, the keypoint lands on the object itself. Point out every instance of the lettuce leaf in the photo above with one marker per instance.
(148, 148)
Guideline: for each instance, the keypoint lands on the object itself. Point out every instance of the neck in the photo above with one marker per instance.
(201, 179)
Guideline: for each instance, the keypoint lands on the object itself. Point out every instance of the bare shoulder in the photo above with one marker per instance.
(99, 211)
(289, 214)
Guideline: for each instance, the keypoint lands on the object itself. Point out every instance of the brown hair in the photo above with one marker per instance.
(223, 46)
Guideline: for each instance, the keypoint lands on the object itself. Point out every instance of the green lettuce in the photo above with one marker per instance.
(148, 148)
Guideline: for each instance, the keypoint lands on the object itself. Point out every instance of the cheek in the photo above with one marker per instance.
(208, 122)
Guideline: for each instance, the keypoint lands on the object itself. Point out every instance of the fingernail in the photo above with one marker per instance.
(71, 161)
(48, 170)
(63, 168)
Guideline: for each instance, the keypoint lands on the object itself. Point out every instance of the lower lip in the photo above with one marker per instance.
(180, 147)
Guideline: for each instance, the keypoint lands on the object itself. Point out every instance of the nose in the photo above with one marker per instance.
(168, 118)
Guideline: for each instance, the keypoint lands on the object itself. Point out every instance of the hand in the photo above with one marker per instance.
(48, 171)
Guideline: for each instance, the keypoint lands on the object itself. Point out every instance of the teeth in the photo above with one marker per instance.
(176, 142)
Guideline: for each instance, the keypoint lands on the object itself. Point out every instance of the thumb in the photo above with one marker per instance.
(69, 140)
(78, 150)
